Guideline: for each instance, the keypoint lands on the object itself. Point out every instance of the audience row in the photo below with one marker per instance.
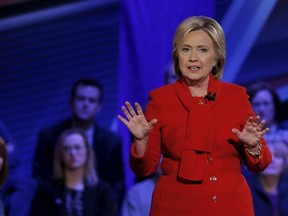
(78, 166)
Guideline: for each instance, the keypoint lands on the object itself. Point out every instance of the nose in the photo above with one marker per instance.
(72, 151)
(193, 56)
(86, 102)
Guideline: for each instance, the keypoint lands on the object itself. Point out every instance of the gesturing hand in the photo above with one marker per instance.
(136, 121)
(252, 132)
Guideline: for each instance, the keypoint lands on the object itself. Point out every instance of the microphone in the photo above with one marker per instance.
(210, 96)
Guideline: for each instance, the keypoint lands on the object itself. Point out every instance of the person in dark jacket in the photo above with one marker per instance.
(85, 102)
(270, 187)
(75, 188)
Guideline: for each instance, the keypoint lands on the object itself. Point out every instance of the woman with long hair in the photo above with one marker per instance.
(75, 188)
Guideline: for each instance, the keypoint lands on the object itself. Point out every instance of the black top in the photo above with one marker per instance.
(52, 198)
(106, 145)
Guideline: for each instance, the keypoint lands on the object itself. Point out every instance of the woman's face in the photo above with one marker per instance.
(263, 106)
(276, 167)
(196, 56)
(74, 152)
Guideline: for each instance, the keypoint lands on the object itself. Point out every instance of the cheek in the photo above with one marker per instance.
(65, 159)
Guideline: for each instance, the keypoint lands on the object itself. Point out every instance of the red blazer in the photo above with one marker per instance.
(202, 158)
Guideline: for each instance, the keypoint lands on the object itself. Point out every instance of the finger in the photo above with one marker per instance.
(153, 122)
(255, 121)
(127, 114)
(249, 121)
(236, 131)
(130, 108)
(123, 120)
(138, 109)
(264, 131)
(261, 125)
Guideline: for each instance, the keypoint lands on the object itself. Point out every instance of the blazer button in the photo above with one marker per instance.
(213, 178)
(209, 160)
(214, 198)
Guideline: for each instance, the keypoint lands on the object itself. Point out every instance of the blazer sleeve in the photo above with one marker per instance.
(253, 164)
(148, 164)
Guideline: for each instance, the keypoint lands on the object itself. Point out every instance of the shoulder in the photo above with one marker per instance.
(233, 88)
(56, 127)
(233, 92)
(162, 90)
(103, 133)
(145, 185)
(163, 94)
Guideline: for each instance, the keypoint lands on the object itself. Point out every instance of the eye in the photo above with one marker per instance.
(203, 50)
(92, 100)
(185, 50)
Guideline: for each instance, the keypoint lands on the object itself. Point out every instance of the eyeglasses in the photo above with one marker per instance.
(77, 148)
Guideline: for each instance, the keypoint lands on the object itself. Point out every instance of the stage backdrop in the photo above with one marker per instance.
(146, 33)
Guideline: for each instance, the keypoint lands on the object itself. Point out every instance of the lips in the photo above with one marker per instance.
(193, 68)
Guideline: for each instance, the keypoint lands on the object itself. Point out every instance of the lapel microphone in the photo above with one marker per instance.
(210, 96)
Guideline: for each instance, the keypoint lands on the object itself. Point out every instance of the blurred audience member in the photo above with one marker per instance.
(137, 201)
(12, 150)
(267, 105)
(85, 101)
(3, 170)
(76, 188)
(19, 188)
(270, 188)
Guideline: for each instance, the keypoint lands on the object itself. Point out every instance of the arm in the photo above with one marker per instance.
(145, 149)
(257, 156)
(137, 125)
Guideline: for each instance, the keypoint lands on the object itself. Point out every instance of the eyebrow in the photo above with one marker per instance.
(198, 46)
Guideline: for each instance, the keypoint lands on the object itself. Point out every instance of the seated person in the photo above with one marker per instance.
(137, 201)
(85, 102)
(266, 104)
(76, 189)
(3, 170)
(270, 187)
(19, 187)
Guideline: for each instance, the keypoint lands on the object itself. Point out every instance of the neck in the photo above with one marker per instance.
(74, 179)
(269, 182)
(198, 88)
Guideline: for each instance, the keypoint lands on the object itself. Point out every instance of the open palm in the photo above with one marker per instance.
(136, 121)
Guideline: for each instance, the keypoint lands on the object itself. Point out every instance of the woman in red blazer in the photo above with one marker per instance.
(205, 130)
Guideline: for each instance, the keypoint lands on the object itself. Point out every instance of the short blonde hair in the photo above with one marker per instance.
(90, 174)
(215, 32)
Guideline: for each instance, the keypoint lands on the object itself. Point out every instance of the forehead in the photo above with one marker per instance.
(263, 95)
(90, 91)
(73, 139)
(198, 37)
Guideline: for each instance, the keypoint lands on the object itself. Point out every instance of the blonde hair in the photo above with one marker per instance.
(215, 32)
(90, 174)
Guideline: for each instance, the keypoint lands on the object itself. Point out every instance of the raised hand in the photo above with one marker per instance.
(136, 121)
(252, 132)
